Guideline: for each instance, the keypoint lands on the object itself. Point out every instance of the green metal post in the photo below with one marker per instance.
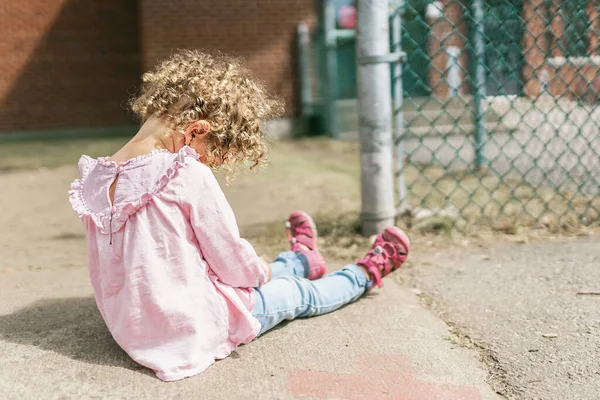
(479, 83)
(331, 62)
(303, 38)
(398, 99)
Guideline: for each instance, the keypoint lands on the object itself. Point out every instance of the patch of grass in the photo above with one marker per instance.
(504, 203)
(339, 237)
(54, 153)
(338, 226)
(438, 224)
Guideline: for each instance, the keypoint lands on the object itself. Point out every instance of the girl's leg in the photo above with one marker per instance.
(288, 263)
(289, 297)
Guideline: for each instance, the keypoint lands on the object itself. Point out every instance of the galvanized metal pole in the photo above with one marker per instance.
(375, 116)
(479, 83)
(398, 100)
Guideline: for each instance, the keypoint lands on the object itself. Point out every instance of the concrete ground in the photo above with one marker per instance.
(54, 345)
(533, 310)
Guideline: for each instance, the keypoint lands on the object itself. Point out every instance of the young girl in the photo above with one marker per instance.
(173, 280)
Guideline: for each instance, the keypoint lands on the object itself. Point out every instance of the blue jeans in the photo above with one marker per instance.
(290, 295)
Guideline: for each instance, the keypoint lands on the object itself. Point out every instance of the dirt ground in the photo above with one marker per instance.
(42, 250)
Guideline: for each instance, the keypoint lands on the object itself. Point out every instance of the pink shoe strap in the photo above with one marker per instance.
(398, 255)
(377, 261)
(302, 235)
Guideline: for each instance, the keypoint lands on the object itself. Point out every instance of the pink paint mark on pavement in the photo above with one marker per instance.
(376, 377)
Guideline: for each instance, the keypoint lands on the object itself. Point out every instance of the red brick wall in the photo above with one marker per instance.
(262, 31)
(447, 30)
(67, 63)
(534, 45)
(575, 81)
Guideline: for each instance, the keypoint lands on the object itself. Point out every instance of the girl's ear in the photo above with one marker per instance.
(196, 129)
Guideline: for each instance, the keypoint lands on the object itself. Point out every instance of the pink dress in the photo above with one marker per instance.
(172, 278)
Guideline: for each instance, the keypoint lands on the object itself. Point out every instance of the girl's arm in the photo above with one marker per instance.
(230, 257)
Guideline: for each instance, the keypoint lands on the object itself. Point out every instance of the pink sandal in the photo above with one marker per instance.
(391, 245)
(301, 231)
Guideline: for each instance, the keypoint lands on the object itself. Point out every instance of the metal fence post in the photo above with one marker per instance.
(331, 62)
(398, 99)
(303, 39)
(375, 114)
(479, 83)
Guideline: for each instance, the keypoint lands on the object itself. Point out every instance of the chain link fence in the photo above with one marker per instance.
(500, 114)
(501, 111)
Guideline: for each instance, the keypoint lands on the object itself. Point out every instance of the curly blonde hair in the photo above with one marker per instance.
(193, 85)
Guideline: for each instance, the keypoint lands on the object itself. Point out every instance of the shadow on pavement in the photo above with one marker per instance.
(72, 327)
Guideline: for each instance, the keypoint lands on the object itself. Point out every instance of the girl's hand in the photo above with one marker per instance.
(270, 274)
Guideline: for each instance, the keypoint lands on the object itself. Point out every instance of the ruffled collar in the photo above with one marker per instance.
(113, 219)
(105, 161)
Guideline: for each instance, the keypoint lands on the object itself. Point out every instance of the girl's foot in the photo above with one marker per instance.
(302, 234)
(387, 254)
